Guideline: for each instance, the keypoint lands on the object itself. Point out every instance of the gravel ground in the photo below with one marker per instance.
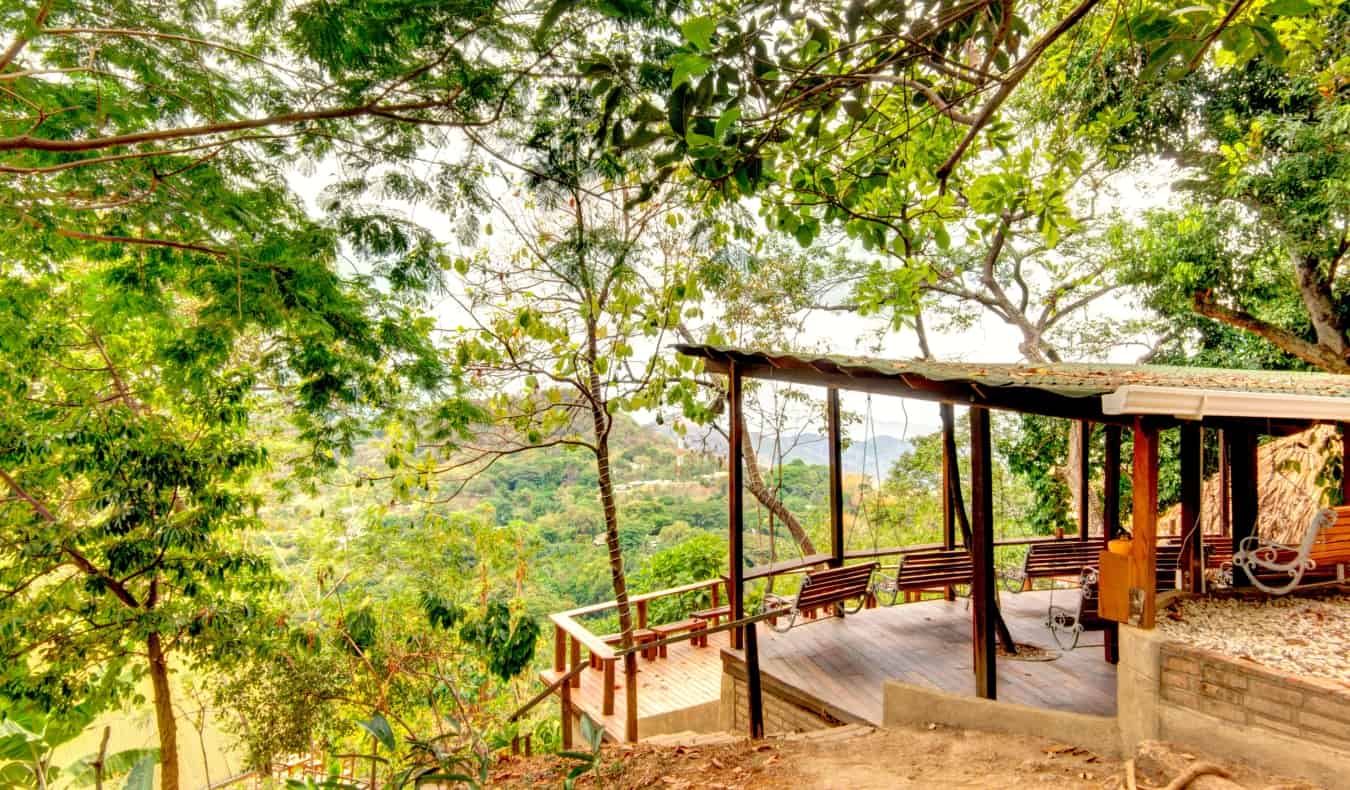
(1305, 636)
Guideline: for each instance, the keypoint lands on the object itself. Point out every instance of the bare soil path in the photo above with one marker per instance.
(891, 759)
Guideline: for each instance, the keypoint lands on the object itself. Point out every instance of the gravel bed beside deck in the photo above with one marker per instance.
(1302, 635)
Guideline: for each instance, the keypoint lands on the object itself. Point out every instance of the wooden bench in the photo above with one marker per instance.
(1060, 559)
(714, 614)
(699, 629)
(930, 569)
(1323, 556)
(832, 587)
(641, 636)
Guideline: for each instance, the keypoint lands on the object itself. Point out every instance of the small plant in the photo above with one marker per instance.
(594, 735)
(29, 738)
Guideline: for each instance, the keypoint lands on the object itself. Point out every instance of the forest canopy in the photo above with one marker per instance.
(334, 334)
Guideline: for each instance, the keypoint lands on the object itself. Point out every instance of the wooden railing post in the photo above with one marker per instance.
(565, 697)
(642, 614)
(576, 659)
(559, 649)
(607, 696)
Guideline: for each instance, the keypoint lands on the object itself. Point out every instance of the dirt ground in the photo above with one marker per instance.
(892, 759)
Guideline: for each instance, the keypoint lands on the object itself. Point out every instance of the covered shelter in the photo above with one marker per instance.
(1143, 399)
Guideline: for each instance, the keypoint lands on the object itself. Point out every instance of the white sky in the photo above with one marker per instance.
(988, 339)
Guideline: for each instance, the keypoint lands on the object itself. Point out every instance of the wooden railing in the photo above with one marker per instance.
(570, 636)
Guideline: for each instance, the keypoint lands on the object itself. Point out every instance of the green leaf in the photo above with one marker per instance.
(142, 776)
(699, 30)
(378, 726)
(1288, 8)
(686, 66)
(727, 120)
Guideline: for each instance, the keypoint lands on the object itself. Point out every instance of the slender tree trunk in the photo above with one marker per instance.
(164, 720)
(1070, 473)
(754, 483)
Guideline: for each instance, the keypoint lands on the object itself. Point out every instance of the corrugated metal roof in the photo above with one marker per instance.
(1079, 380)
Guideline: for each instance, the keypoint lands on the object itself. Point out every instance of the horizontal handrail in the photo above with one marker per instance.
(642, 597)
(583, 635)
(543, 695)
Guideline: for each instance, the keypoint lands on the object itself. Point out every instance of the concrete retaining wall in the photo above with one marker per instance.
(1232, 709)
(907, 704)
(784, 709)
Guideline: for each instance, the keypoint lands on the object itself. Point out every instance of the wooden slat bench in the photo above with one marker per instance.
(699, 629)
(830, 588)
(1060, 559)
(1322, 556)
(931, 569)
(714, 614)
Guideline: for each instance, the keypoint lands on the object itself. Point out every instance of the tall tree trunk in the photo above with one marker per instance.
(1315, 289)
(1070, 473)
(164, 720)
(754, 483)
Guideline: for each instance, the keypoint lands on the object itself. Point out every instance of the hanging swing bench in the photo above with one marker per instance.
(846, 590)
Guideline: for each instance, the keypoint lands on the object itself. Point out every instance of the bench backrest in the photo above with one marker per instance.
(1065, 557)
(1332, 546)
(834, 585)
(934, 568)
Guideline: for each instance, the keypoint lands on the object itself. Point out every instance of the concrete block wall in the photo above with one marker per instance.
(1259, 697)
(780, 715)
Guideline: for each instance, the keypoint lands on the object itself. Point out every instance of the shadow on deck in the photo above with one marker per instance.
(843, 663)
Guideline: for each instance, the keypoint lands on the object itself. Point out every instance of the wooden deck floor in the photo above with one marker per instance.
(844, 662)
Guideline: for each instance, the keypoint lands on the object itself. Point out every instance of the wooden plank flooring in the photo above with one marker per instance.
(844, 662)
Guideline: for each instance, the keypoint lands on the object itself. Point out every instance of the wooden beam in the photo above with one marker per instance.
(1084, 429)
(1345, 464)
(735, 504)
(983, 610)
(1225, 488)
(948, 414)
(1143, 592)
(1244, 491)
(1192, 483)
(1111, 483)
(836, 451)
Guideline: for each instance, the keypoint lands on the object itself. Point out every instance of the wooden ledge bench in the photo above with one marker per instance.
(641, 636)
(932, 569)
(699, 629)
(714, 614)
(832, 587)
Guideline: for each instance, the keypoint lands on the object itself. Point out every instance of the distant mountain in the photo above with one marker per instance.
(811, 448)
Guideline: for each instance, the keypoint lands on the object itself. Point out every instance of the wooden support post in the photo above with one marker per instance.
(642, 613)
(576, 659)
(1192, 482)
(1242, 470)
(607, 695)
(752, 682)
(835, 450)
(735, 515)
(630, 698)
(559, 649)
(1345, 464)
(1225, 487)
(982, 554)
(565, 699)
(947, 411)
(1084, 429)
(1143, 592)
(1111, 482)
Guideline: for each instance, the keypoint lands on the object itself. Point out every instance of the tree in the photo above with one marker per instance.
(127, 448)
(1259, 138)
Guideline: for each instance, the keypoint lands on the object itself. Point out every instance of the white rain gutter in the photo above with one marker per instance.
(1193, 404)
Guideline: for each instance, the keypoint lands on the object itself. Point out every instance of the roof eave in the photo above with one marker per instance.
(1186, 403)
